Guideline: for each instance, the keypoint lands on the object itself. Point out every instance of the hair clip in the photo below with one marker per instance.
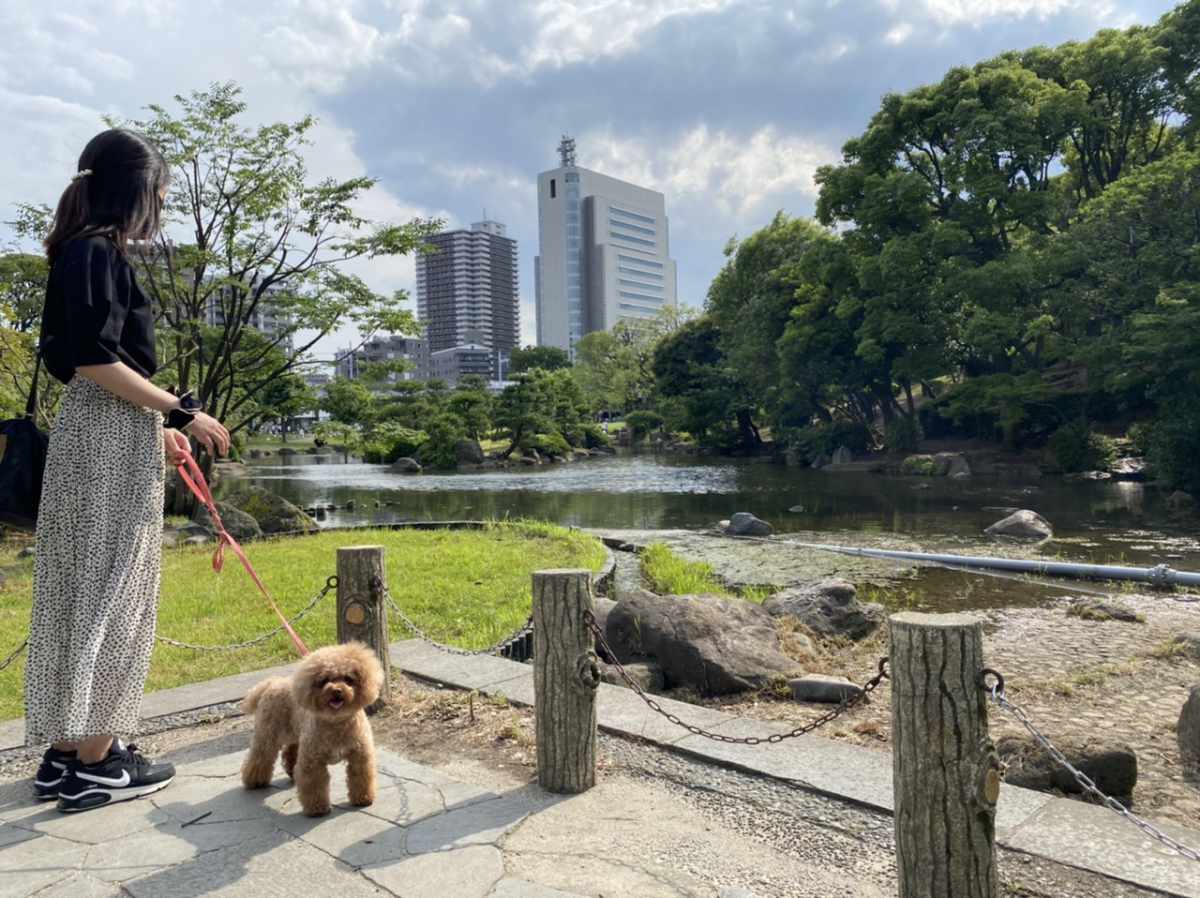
(82, 173)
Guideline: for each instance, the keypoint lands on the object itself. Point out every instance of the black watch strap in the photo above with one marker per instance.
(179, 418)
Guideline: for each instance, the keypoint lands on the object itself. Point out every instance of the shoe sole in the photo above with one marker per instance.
(81, 802)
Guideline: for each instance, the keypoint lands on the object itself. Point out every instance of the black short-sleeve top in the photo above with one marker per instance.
(96, 313)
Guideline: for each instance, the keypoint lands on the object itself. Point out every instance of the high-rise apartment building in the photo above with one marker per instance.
(604, 253)
(467, 291)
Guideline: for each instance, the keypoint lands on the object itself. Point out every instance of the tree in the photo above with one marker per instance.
(265, 240)
(521, 410)
(22, 290)
(548, 358)
(349, 402)
(471, 403)
(615, 368)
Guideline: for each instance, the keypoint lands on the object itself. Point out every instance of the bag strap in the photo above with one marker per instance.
(31, 402)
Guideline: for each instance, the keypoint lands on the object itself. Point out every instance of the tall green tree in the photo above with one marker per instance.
(548, 358)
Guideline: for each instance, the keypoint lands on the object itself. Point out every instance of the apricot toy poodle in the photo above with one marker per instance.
(317, 718)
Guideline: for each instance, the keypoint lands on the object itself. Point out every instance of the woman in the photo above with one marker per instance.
(99, 532)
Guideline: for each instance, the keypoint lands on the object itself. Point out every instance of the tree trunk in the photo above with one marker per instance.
(565, 678)
(362, 608)
(945, 768)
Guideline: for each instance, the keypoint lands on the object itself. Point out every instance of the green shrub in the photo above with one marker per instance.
(903, 434)
(1075, 447)
(440, 449)
(825, 439)
(552, 445)
(1139, 437)
(643, 422)
(1173, 444)
(588, 436)
(919, 466)
(391, 441)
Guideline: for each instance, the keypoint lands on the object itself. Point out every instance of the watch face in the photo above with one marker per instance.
(190, 403)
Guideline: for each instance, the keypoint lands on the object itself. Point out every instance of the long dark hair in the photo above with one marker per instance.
(116, 192)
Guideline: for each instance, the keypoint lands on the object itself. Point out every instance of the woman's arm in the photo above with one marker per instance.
(121, 380)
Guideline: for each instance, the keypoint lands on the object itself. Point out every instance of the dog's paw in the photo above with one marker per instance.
(317, 810)
(362, 799)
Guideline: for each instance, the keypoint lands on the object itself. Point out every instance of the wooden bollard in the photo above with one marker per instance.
(566, 674)
(361, 607)
(945, 769)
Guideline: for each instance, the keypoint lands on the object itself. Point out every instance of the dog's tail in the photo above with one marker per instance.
(250, 702)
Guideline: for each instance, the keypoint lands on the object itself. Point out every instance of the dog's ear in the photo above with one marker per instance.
(371, 676)
(304, 684)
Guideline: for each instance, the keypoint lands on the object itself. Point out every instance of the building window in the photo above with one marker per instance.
(632, 260)
(553, 189)
(634, 215)
(627, 239)
(572, 177)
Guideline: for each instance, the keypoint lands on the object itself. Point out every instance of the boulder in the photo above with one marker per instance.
(273, 513)
(1103, 610)
(919, 466)
(842, 456)
(820, 688)
(828, 608)
(469, 452)
(1111, 765)
(1022, 525)
(714, 644)
(1186, 645)
(646, 674)
(1088, 476)
(530, 461)
(944, 464)
(956, 465)
(241, 526)
(745, 524)
(1187, 731)
(1129, 468)
(405, 466)
(287, 450)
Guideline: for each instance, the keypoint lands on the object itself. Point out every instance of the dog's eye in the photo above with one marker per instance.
(322, 683)
(349, 681)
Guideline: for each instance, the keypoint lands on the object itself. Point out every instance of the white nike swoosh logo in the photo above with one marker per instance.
(114, 782)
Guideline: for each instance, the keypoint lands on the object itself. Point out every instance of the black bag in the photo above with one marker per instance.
(22, 463)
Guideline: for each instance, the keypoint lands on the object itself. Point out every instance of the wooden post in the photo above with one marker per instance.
(361, 607)
(565, 677)
(945, 768)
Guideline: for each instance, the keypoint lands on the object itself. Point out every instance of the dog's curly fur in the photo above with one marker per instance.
(317, 718)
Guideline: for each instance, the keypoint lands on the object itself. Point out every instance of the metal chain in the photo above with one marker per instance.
(852, 702)
(996, 691)
(411, 625)
(16, 652)
(330, 584)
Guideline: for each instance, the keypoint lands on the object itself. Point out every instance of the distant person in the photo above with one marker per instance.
(99, 529)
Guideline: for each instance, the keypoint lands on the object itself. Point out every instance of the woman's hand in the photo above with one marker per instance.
(176, 446)
(210, 433)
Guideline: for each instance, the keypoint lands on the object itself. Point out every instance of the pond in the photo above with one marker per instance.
(1111, 522)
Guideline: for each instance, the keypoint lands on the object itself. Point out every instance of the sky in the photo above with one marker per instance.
(726, 106)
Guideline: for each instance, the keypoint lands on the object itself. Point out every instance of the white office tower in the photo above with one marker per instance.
(604, 253)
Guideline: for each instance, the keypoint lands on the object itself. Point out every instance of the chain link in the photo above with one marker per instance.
(15, 654)
(411, 625)
(330, 584)
(775, 738)
(997, 693)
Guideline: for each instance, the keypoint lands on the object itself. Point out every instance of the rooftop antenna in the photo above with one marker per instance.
(566, 151)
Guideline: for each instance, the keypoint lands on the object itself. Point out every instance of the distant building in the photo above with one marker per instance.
(389, 348)
(603, 253)
(453, 364)
(467, 293)
(266, 318)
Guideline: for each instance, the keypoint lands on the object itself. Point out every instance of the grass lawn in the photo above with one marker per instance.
(467, 588)
(669, 574)
(299, 442)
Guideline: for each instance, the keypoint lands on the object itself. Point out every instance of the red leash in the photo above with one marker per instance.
(199, 486)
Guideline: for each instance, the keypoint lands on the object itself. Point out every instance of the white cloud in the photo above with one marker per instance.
(735, 173)
(952, 13)
(899, 34)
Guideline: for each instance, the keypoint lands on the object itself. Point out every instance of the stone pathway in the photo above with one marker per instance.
(427, 835)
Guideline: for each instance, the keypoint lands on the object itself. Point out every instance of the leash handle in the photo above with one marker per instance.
(193, 478)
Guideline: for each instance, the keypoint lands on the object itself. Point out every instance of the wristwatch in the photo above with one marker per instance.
(180, 418)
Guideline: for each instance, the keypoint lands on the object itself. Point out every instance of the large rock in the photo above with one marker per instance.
(647, 674)
(1104, 610)
(944, 464)
(1187, 731)
(1129, 468)
(1112, 766)
(842, 456)
(716, 645)
(828, 608)
(405, 466)
(273, 513)
(241, 526)
(1022, 525)
(469, 452)
(820, 688)
(745, 524)
(1181, 501)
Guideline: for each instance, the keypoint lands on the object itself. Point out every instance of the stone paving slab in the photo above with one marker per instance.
(1093, 838)
(1025, 819)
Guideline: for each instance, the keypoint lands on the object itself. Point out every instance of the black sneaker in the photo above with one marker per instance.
(123, 775)
(50, 774)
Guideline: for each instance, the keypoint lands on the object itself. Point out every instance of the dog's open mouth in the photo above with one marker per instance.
(336, 702)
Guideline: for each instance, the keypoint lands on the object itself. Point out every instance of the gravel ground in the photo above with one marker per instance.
(771, 819)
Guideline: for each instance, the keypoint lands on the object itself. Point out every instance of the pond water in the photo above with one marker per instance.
(1101, 522)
